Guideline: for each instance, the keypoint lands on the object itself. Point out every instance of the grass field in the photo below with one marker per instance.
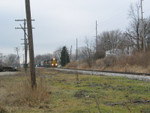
(59, 92)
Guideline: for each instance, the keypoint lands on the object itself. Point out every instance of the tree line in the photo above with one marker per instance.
(114, 42)
(117, 42)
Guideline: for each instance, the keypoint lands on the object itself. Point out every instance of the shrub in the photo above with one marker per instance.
(72, 64)
(140, 59)
(110, 61)
(100, 54)
(3, 110)
(23, 94)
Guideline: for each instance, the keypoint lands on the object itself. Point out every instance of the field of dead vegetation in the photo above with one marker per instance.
(139, 62)
(59, 92)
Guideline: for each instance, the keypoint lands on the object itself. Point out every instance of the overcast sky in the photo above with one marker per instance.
(60, 22)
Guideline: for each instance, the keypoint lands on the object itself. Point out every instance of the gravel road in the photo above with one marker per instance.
(137, 77)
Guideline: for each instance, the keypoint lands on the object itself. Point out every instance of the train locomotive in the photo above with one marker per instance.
(50, 63)
(54, 62)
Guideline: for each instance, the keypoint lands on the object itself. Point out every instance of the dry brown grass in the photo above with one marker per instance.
(140, 59)
(3, 109)
(83, 65)
(77, 64)
(21, 93)
(72, 65)
(138, 62)
(128, 68)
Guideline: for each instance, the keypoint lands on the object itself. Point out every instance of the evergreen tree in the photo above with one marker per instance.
(64, 56)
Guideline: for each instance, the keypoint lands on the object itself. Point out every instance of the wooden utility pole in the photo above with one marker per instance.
(143, 27)
(18, 61)
(25, 47)
(31, 47)
(25, 41)
(71, 53)
(138, 29)
(77, 74)
(96, 38)
(76, 49)
(1, 59)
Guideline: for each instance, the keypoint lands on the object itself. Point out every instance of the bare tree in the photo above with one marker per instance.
(11, 60)
(113, 41)
(134, 31)
(57, 54)
(88, 52)
(109, 40)
(147, 32)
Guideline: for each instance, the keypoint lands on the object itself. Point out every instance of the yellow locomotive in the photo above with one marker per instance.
(50, 63)
(54, 62)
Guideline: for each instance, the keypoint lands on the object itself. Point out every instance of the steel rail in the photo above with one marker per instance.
(138, 76)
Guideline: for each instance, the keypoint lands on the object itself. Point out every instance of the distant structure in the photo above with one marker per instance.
(119, 52)
(1, 59)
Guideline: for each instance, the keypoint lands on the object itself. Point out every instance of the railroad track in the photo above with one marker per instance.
(137, 76)
(8, 73)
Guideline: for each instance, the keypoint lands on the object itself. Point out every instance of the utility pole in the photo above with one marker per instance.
(18, 61)
(96, 38)
(25, 41)
(1, 59)
(138, 29)
(77, 74)
(76, 49)
(31, 47)
(143, 27)
(71, 53)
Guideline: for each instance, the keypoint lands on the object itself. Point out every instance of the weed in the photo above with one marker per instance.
(21, 93)
(3, 110)
(81, 93)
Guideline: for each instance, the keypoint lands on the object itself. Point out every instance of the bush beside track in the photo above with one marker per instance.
(7, 69)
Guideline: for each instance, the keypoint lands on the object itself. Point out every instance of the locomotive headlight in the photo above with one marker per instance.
(52, 64)
(56, 64)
